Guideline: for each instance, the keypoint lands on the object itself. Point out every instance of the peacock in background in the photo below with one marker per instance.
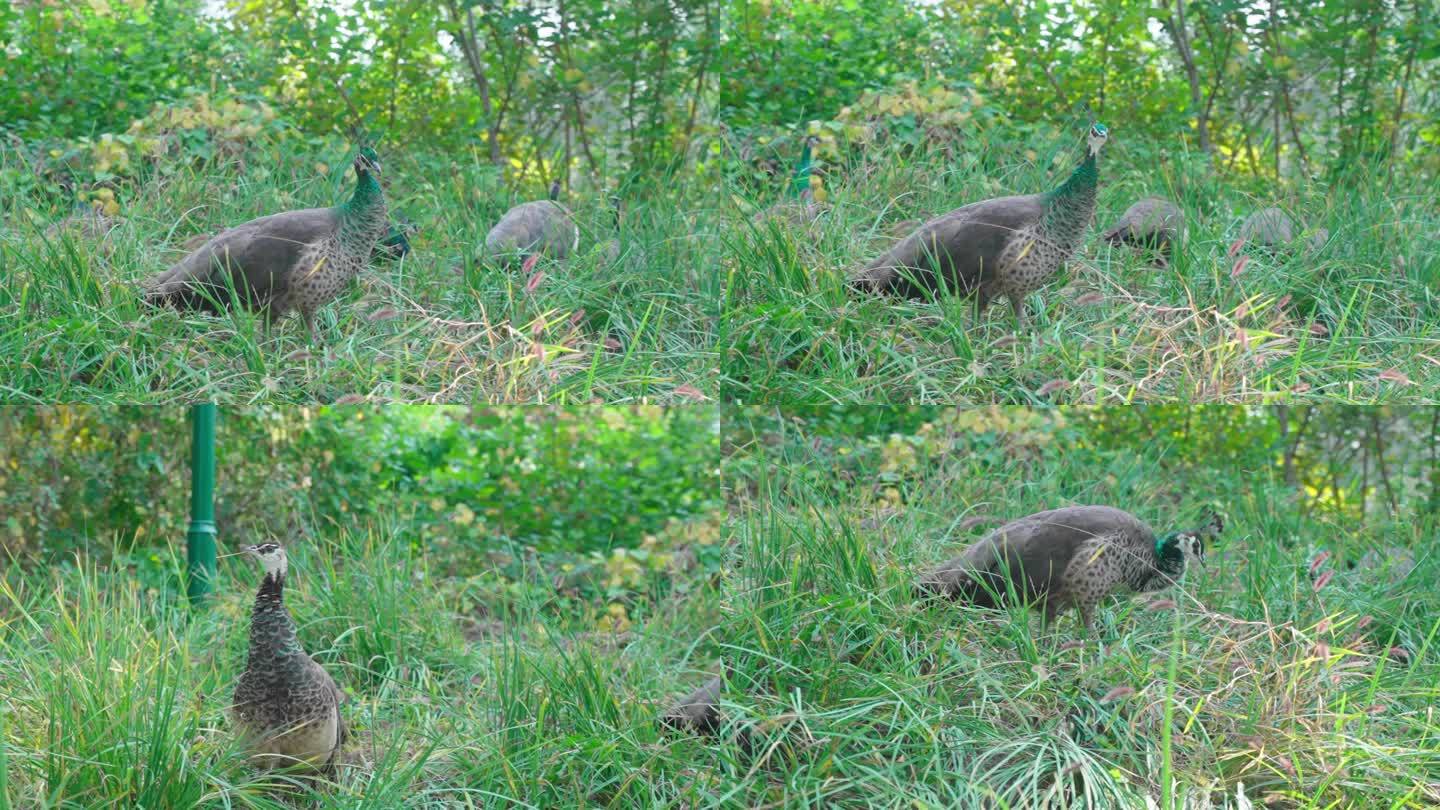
(1151, 223)
(529, 231)
(1008, 246)
(802, 207)
(1075, 556)
(396, 242)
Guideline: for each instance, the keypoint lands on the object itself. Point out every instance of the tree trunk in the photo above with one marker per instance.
(1180, 34)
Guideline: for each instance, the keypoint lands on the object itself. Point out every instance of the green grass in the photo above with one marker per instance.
(438, 326)
(1109, 328)
(854, 694)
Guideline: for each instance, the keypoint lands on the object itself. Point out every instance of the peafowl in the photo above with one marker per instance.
(286, 705)
(297, 260)
(803, 208)
(1268, 227)
(1005, 246)
(1151, 223)
(1070, 557)
(396, 243)
(534, 229)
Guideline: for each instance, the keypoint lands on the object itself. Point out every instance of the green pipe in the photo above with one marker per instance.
(200, 537)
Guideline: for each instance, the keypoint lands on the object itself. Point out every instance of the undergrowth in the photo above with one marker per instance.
(1300, 662)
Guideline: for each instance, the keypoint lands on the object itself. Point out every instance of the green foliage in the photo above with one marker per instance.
(80, 69)
(463, 484)
(794, 60)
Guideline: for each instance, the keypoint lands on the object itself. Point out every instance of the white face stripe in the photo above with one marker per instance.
(272, 557)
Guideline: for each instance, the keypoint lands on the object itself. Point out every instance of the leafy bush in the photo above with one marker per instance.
(76, 69)
(461, 484)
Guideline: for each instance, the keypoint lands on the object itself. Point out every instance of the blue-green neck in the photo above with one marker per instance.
(1080, 183)
(367, 195)
(802, 172)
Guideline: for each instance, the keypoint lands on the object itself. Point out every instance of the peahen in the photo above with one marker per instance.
(1152, 223)
(1006, 246)
(1075, 556)
(534, 229)
(1269, 227)
(286, 706)
(803, 207)
(298, 260)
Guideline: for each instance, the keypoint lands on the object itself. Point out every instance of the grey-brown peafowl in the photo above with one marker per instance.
(1269, 227)
(534, 229)
(286, 705)
(298, 260)
(1006, 246)
(1070, 557)
(699, 713)
(395, 244)
(1152, 223)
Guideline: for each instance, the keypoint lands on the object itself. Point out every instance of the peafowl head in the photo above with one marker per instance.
(367, 162)
(1178, 550)
(1098, 135)
(271, 557)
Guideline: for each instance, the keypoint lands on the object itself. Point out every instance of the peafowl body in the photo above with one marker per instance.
(297, 260)
(1070, 557)
(1009, 246)
(1150, 223)
(286, 705)
(534, 229)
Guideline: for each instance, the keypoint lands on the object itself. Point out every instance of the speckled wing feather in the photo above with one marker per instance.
(963, 247)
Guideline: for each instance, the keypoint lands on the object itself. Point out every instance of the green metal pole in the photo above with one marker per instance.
(200, 537)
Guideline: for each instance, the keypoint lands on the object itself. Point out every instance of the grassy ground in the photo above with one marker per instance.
(1313, 692)
(1110, 328)
(437, 326)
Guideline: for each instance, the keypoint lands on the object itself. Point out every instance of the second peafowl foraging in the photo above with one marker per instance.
(1070, 557)
(1152, 223)
(534, 229)
(803, 208)
(1009, 246)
